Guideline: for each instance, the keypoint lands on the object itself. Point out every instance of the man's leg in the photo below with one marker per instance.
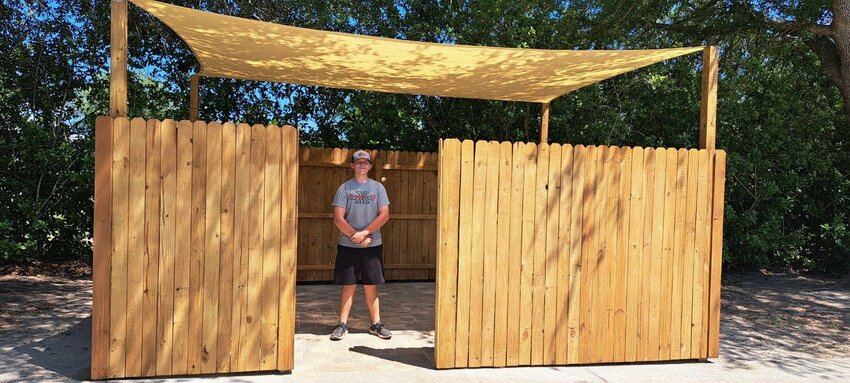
(373, 302)
(346, 297)
(377, 328)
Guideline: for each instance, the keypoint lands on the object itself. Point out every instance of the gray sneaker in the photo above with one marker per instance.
(339, 331)
(380, 331)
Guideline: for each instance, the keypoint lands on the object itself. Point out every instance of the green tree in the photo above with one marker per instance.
(782, 114)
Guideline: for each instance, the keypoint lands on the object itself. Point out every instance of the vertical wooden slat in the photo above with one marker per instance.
(314, 183)
(167, 230)
(402, 233)
(251, 347)
(621, 287)
(476, 271)
(503, 232)
(635, 251)
(196, 263)
(588, 256)
(689, 259)
(433, 209)
(212, 253)
(271, 251)
(606, 241)
(550, 253)
(241, 229)
(102, 247)
(576, 246)
(289, 251)
(656, 262)
(706, 293)
(416, 229)
(538, 266)
(227, 266)
(678, 254)
(716, 256)
(183, 247)
(698, 342)
(527, 253)
(563, 287)
(599, 317)
(120, 223)
(667, 255)
(645, 304)
(430, 241)
(446, 297)
(612, 181)
(464, 253)
(491, 206)
(150, 290)
(513, 331)
(135, 249)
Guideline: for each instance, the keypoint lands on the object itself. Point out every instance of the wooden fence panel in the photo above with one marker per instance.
(610, 254)
(409, 237)
(179, 207)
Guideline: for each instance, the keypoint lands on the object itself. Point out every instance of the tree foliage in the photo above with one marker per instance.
(780, 115)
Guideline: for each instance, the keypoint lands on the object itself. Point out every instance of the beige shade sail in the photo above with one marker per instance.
(233, 47)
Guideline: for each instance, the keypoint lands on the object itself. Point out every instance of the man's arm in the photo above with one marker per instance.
(380, 220)
(342, 224)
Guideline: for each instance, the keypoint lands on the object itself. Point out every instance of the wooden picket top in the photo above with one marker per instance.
(410, 236)
(554, 254)
(182, 210)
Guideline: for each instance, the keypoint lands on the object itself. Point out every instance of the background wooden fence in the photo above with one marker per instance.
(194, 248)
(410, 235)
(554, 254)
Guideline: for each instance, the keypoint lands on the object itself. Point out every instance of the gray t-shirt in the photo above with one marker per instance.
(361, 203)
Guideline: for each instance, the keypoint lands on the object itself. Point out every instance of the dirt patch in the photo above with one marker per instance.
(61, 269)
(775, 316)
(41, 306)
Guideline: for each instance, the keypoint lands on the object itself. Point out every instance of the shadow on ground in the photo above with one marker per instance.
(412, 356)
(782, 320)
(67, 353)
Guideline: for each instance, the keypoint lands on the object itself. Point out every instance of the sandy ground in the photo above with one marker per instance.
(785, 320)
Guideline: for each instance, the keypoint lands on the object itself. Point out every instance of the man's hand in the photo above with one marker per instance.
(359, 236)
(366, 242)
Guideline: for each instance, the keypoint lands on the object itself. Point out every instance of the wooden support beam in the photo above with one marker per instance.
(118, 60)
(708, 104)
(544, 123)
(193, 98)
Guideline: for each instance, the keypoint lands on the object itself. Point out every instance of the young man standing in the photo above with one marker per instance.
(361, 207)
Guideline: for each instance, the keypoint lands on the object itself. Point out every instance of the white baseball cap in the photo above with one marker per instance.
(361, 155)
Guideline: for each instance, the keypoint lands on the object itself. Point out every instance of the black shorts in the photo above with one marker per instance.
(363, 265)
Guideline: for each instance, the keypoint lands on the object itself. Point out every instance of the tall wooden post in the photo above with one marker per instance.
(708, 104)
(118, 60)
(193, 98)
(544, 123)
